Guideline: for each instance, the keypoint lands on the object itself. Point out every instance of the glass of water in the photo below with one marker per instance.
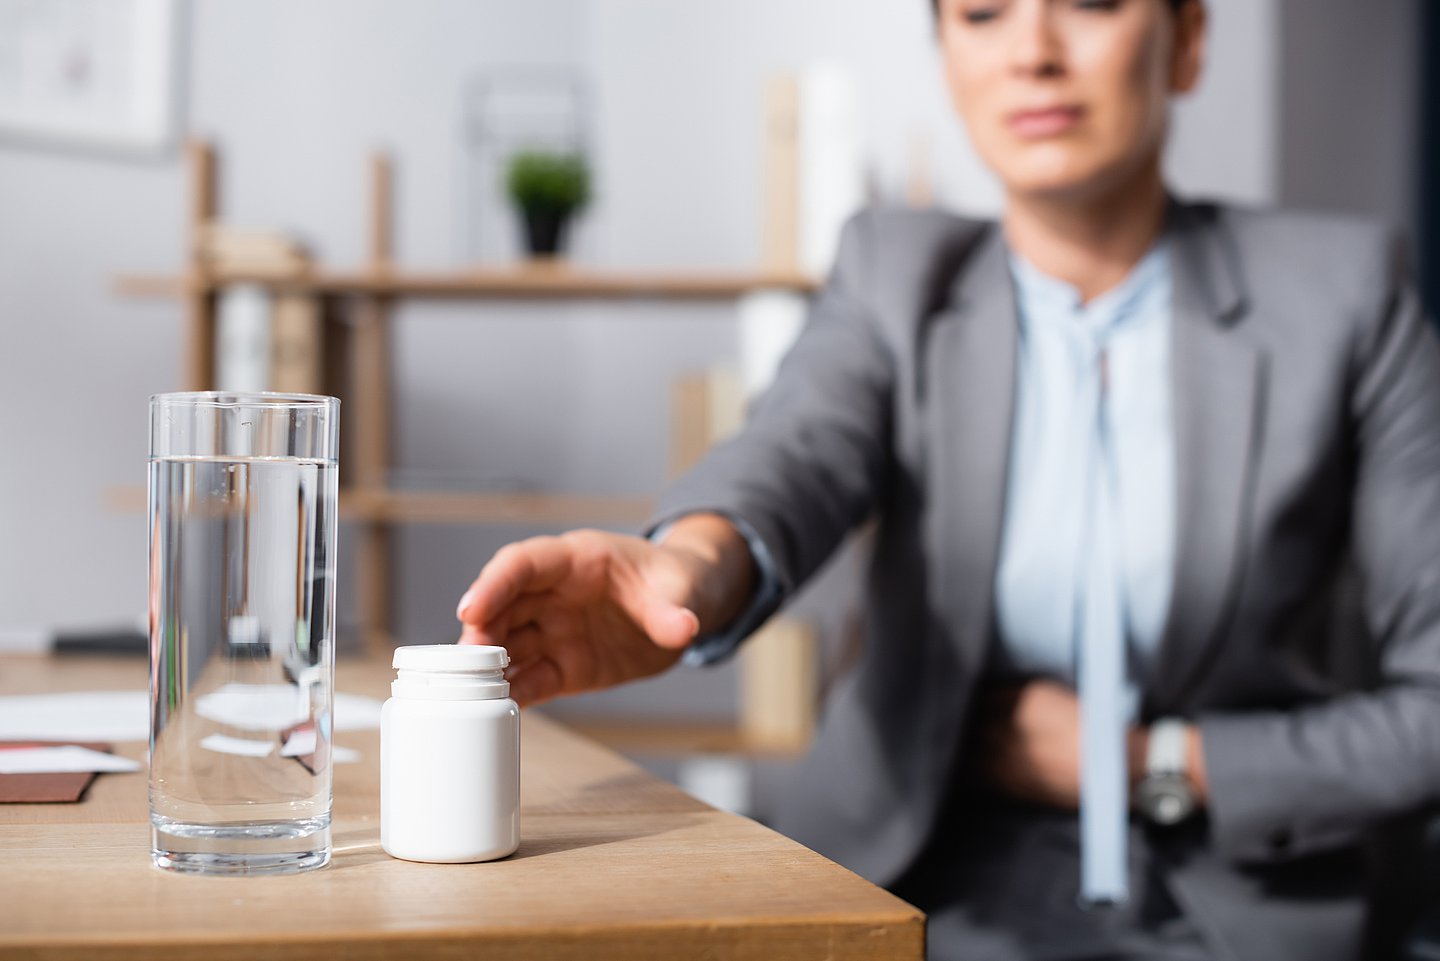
(243, 491)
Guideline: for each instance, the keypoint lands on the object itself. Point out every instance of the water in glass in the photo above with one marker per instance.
(242, 593)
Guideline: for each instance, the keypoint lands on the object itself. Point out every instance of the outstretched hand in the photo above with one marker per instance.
(584, 610)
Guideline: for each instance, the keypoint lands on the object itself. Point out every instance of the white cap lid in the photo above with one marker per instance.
(450, 657)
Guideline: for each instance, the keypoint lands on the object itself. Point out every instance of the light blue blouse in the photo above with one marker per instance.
(1043, 551)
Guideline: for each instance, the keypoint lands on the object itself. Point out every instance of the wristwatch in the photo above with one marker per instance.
(1165, 795)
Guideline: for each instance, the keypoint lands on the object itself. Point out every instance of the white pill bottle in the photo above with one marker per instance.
(450, 756)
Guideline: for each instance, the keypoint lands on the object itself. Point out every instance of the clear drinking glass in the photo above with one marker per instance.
(243, 492)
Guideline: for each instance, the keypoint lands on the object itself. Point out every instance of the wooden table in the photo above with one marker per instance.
(613, 863)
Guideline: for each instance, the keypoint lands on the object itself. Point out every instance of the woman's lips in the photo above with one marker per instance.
(1033, 124)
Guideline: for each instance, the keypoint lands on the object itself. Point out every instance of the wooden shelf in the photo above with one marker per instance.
(359, 311)
(436, 507)
(540, 281)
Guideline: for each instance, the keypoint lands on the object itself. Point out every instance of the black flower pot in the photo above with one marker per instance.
(545, 231)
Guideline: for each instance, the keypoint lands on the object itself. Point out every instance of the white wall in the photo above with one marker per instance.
(294, 95)
(1225, 141)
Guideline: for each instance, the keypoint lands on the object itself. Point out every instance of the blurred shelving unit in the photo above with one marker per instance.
(358, 311)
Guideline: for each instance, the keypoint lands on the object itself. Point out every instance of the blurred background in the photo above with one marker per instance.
(718, 141)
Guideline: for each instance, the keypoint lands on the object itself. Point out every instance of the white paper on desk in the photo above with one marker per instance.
(275, 707)
(255, 707)
(58, 760)
(244, 747)
(125, 715)
(76, 716)
(356, 712)
(302, 743)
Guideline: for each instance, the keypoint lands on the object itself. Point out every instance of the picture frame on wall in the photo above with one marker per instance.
(506, 110)
(92, 75)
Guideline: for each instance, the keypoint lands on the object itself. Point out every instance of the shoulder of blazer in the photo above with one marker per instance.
(902, 262)
(1325, 230)
(1303, 270)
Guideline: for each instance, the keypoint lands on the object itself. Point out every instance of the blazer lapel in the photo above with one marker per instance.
(1219, 394)
(969, 387)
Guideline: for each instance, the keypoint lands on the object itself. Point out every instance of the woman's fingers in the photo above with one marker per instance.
(666, 623)
(535, 681)
(513, 591)
(527, 567)
(670, 625)
(520, 663)
(532, 609)
(575, 612)
(499, 631)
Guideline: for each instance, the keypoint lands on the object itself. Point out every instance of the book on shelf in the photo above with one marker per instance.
(297, 360)
(707, 407)
(268, 341)
(265, 339)
(814, 165)
(242, 338)
(780, 675)
(252, 253)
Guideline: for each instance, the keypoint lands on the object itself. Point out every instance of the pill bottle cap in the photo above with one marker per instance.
(450, 672)
(449, 657)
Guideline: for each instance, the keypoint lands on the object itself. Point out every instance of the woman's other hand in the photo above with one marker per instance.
(1029, 743)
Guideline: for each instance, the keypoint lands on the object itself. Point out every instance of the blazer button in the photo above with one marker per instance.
(1280, 839)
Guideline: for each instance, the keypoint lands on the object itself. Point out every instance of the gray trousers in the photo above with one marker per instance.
(1002, 883)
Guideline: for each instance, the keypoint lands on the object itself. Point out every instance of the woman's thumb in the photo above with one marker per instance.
(668, 625)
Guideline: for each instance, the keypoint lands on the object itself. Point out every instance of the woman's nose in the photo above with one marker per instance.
(1036, 49)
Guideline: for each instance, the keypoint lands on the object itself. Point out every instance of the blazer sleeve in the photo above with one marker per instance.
(1289, 783)
(816, 447)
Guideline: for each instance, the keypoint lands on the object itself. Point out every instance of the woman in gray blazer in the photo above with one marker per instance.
(1125, 454)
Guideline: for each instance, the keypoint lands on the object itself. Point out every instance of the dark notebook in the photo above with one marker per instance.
(46, 788)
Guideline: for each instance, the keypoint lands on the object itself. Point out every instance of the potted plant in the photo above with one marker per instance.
(548, 188)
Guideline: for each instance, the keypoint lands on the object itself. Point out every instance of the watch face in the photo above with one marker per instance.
(1165, 798)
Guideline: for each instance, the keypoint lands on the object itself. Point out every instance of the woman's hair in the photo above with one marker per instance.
(1174, 4)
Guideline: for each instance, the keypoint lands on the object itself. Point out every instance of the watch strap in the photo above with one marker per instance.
(1165, 753)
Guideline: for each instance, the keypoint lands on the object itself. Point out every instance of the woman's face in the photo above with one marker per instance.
(1067, 98)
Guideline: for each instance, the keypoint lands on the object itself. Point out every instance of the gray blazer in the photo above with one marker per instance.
(1307, 405)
